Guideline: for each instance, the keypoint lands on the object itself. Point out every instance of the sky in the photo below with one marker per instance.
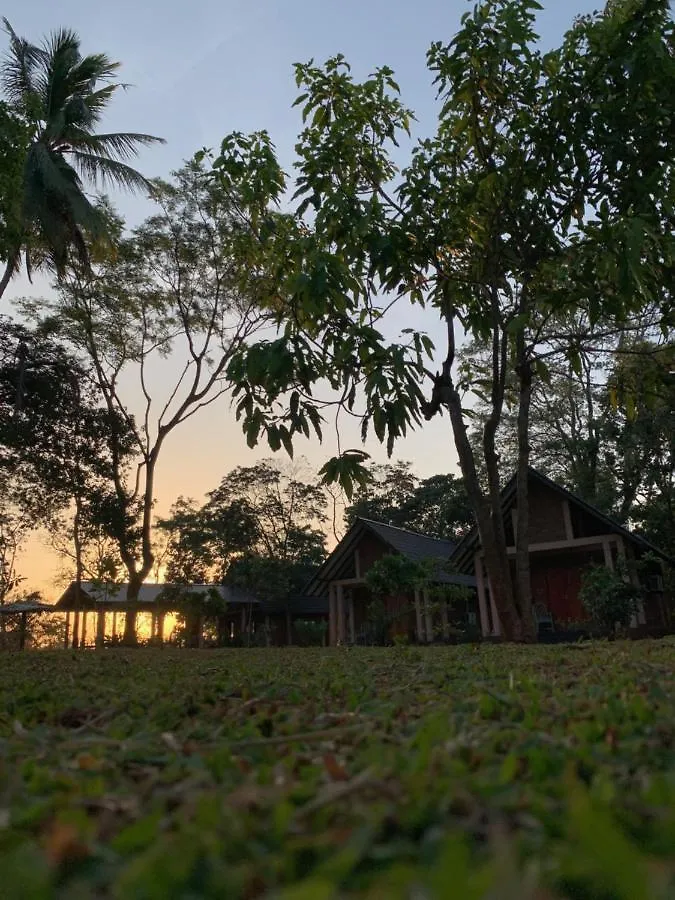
(199, 70)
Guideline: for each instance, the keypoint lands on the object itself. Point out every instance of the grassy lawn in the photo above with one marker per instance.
(490, 772)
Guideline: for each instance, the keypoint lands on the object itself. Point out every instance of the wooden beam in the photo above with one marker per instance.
(67, 630)
(575, 543)
(496, 624)
(567, 519)
(22, 630)
(352, 623)
(482, 600)
(332, 615)
(419, 623)
(160, 628)
(445, 624)
(341, 624)
(607, 551)
(114, 626)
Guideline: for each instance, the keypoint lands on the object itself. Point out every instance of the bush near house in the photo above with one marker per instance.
(434, 772)
(609, 598)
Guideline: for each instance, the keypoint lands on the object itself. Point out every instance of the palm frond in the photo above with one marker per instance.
(105, 171)
(53, 192)
(93, 68)
(97, 101)
(63, 54)
(19, 69)
(120, 145)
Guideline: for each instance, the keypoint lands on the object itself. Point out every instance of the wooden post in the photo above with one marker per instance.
(482, 600)
(100, 628)
(341, 630)
(83, 636)
(638, 617)
(66, 632)
(445, 624)
(22, 630)
(160, 628)
(352, 623)
(496, 625)
(419, 623)
(268, 631)
(428, 617)
(200, 631)
(332, 615)
(76, 630)
(114, 625)
(607, 551)
(289, 628)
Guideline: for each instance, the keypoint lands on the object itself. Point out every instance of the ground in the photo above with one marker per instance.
(459, 772)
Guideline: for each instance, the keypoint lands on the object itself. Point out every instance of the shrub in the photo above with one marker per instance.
(608, 598)
(309, 633)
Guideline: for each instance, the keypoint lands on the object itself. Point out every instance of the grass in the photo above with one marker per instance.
(489, 772)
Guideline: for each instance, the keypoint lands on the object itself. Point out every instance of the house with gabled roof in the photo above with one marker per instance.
(566, 536)
(342, 579)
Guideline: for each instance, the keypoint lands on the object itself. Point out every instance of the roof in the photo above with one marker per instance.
(463, 554)
(411, 544)
(95, 592)
(24, 606)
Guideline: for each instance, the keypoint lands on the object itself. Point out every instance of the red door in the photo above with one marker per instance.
(557, 589)
(563, 595)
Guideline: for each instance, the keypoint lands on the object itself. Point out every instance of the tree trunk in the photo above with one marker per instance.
(130, 638)
(522, 536)
(10, 269)
(490, 527)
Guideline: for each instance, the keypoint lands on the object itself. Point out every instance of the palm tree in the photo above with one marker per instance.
(62, 95)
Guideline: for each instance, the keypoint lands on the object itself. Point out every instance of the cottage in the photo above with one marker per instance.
(342, 580)
(566, 536)
(106, 601)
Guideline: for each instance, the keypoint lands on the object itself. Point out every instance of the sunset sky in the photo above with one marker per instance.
(202, 69)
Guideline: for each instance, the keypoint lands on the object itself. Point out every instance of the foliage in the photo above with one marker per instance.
(395, 574)
(605, 430)
(260, 530)
(528, 202)
(61, 96)
(172, 287)
(310, 632)
(55, 458)
(499, 770)
(437, 506)
(608, 597)
(14, 139)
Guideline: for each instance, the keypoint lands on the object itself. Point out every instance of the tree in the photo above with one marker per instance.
(260, 529)
(14, 141)
(54, 451)
(530, 201)
(172, 287)
(437, 506)
(605, 430)
(61, 96)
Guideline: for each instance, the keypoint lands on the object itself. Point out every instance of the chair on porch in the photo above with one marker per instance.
(543, 618)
